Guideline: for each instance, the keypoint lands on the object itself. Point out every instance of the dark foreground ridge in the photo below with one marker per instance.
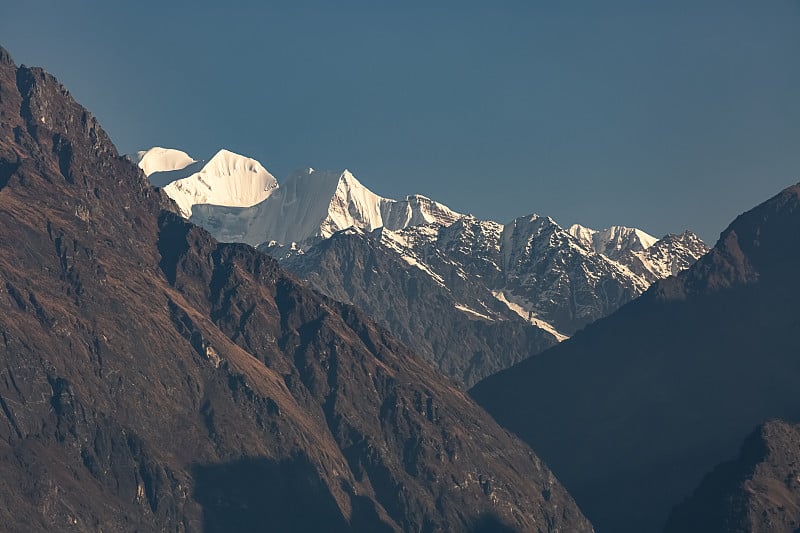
(631, 412)
(152, 379)
(758, 492)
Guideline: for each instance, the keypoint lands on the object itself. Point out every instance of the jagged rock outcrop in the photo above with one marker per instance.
(152, 379)
(670, 255)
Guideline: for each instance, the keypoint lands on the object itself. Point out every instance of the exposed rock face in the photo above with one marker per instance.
(552, 278)
(523, 286)
(631, 412)
(668, 256)
(757, 492)
(152, 379)
(455, 323)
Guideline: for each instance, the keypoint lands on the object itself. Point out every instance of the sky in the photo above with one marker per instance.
(659, 115)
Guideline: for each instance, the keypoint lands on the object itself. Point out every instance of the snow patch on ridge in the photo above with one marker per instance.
(524, 310)
(399, 244)
(470, 311)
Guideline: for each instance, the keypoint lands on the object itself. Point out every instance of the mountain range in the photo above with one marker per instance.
(473, 296)
(153, 379)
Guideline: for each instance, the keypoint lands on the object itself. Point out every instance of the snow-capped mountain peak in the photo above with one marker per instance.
(333, 201)
(228, 164)
(352, 204)
(417, 209)
(227, 179)
(613, 242)
(158, 159)
(312, 205)
(239, 197)
(583, 234)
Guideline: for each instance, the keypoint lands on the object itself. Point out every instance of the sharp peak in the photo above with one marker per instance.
(339, 175)
(337, 180)
(534, 217)
(612, 231)
(417, 196)
(577, 226)
(224, 152)
(347, 175)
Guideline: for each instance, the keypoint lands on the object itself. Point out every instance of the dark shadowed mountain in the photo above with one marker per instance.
(758, 492)
(631, 412)
(152, 379)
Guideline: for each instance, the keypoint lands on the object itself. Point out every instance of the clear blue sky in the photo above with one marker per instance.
(658, 114)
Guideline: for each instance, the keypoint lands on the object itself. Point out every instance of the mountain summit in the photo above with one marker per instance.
(227, 179)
